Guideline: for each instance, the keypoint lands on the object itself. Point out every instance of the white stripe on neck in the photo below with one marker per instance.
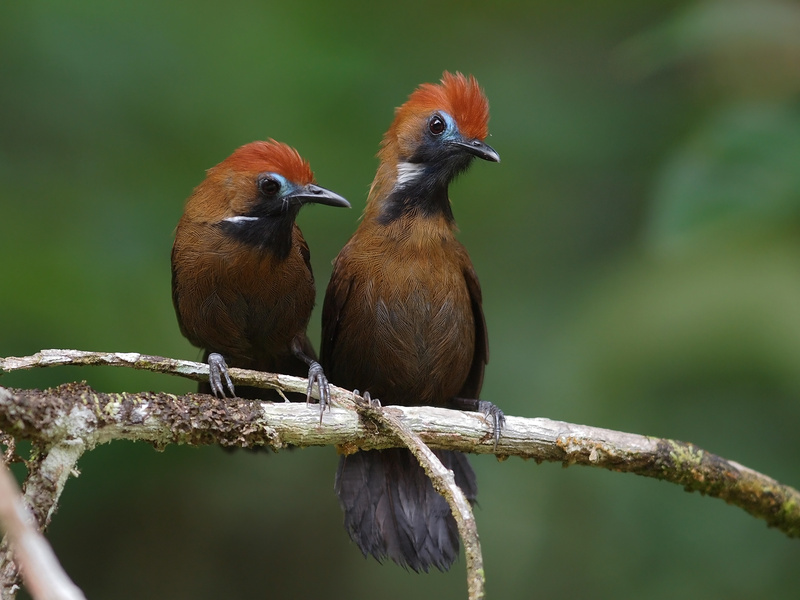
(408, 173)
(240, 219)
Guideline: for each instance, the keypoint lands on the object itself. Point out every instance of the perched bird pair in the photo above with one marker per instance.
(402, 317)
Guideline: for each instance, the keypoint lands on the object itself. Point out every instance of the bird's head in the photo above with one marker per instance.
(434, 137)
(267, 180)
(257, 190)
(441, 125)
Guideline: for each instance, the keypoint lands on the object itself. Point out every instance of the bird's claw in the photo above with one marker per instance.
(317, 375)
(493, 412)
(371, 402)
(218, 376)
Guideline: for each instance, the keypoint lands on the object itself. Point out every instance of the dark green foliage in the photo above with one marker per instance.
(638, 250)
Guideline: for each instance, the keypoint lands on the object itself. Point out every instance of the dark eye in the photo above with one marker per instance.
(437, 125)
(269, 186)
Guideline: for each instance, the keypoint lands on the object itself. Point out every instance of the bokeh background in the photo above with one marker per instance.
(638, 249)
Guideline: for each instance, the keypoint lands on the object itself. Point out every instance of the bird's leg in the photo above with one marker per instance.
(490, 411)
(218, 376)
(315, 374)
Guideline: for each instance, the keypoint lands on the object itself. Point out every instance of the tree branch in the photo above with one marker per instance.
(200, 419)
(44, 577)
(73, 418)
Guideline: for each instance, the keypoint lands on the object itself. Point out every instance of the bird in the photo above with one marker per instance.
(402, 318)
(242, 284)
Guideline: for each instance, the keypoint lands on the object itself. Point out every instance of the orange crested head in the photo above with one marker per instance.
(269, 156)
(434, 137)
(459, 96)
(259, 180)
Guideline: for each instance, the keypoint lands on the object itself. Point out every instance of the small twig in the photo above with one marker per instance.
(48, 472)
(44, 577)
(443, 482)
(10, 454)
(48, 475)
(145, 362)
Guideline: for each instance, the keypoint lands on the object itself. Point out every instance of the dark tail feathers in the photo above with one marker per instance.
(391, 509)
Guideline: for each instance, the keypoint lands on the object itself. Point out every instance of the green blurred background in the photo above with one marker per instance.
(638, 249)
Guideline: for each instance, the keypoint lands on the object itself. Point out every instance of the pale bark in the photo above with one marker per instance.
(72, 418)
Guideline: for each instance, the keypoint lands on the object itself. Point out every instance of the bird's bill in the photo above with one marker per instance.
(318, 195)
(479, 149)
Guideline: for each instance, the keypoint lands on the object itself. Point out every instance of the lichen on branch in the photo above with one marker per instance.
(72, 418)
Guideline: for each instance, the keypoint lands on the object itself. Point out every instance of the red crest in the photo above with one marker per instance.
(276, 157)
(459, 96)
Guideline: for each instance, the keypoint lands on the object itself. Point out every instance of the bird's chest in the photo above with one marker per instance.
(276, 297)
(246, 304)
(419, 296)
(418, 313)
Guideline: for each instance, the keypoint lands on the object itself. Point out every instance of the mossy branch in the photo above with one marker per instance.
(72, 418)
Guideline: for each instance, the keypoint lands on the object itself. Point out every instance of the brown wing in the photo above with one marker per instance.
(303, 245)
(175, 295)
(474, 382)
(335, 299)
(294, 366)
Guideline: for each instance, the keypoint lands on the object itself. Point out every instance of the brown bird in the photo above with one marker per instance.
(241, 279)
(403, 320)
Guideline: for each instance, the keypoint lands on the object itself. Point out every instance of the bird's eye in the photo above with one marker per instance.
(437, 125)
(269, 186)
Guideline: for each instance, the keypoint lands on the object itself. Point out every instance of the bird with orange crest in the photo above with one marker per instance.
(242, 284)
(403, 320)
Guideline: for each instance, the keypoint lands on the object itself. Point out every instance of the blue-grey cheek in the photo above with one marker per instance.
(286, 185)
(451, 133)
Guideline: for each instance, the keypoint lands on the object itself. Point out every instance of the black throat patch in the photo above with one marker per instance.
(268, 234)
